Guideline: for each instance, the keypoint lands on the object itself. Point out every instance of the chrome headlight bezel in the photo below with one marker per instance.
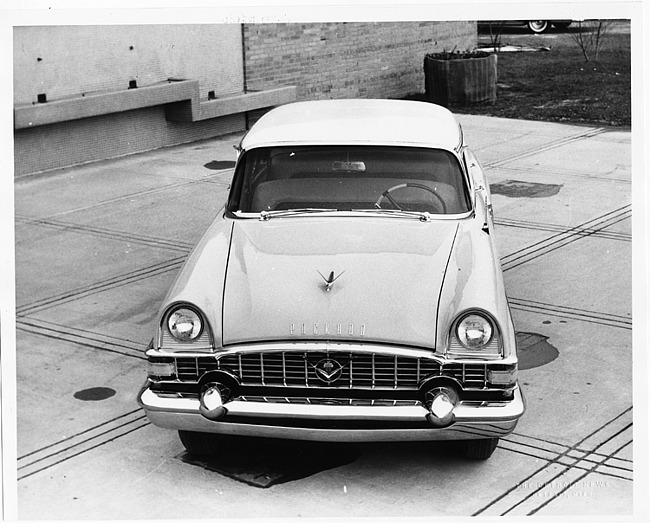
(458, 345)
(200, 340)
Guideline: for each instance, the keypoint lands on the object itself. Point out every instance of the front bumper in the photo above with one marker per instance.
(323, 422)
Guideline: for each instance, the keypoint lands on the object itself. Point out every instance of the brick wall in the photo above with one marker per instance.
(346, 60)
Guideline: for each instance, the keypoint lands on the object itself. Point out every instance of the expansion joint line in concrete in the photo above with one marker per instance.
(567, 456)
(565, 487)
(546, 147)
(80, 443)
(564, 238)
(549, 227)
(111, 234)
(567, 469)
(102, 286)
(573, 313)
(81, 338)
(131, 196)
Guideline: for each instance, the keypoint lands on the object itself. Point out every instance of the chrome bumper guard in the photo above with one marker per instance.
(472, 420)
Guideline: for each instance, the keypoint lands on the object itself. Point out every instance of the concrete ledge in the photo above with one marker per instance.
(104, 102)
(195, 110)
(180, 96)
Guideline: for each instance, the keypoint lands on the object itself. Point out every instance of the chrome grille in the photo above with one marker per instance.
(360, 370)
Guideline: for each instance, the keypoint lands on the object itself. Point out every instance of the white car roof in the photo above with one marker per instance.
(357, 121)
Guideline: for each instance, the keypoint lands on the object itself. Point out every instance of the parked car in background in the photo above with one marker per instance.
(350, 290)
(534, 26)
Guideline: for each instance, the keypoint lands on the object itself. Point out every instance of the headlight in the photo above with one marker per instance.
(184, 324)
(474, 331)
(475, 334)
(184, 328)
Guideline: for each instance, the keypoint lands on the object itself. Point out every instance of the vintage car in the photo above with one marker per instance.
(534, 26)
(350, 290)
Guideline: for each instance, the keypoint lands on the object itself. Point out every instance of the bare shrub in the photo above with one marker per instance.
(590, 36)
(496, 28)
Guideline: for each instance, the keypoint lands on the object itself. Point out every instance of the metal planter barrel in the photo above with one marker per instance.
(460, 78)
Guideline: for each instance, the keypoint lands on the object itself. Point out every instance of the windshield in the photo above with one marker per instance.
(349, 178)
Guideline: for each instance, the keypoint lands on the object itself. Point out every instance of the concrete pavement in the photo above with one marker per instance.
(98, 245)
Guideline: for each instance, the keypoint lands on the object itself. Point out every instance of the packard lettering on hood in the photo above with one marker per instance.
(326, 329)
(349, 290)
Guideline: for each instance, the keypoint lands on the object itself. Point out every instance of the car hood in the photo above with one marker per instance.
(388, 277)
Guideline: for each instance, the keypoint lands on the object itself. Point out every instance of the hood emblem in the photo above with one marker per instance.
(328, 370)
(329, 282)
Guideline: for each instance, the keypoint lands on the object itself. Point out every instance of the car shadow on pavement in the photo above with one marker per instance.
(263, 463)
(266, 462)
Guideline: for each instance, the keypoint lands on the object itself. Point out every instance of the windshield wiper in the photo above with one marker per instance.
(267, 215)
(422, 216)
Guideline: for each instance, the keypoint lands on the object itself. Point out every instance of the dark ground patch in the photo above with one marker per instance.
(534, 351)
(519, 189)
(216, 165)
(263, 463)
(94, 394)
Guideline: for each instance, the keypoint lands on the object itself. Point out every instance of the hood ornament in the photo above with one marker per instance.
(329, 282)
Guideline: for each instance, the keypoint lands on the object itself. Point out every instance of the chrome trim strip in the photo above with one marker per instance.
(328, 401)
(320, 346)
(284, 370)
(395, 372)
(306, 371)
(279, 389)
(353, 214)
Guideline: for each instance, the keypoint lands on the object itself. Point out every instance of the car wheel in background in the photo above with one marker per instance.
(478, 448)
(538, 26)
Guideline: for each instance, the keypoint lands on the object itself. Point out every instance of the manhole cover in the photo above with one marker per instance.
(216, 165)
(518, 189)
(94, 394)
(534, 350)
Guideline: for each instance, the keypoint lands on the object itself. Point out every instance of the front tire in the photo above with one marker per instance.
(200, 443)
(479, 449)
(538, 26)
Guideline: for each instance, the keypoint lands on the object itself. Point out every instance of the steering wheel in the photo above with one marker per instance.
(386, 195)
